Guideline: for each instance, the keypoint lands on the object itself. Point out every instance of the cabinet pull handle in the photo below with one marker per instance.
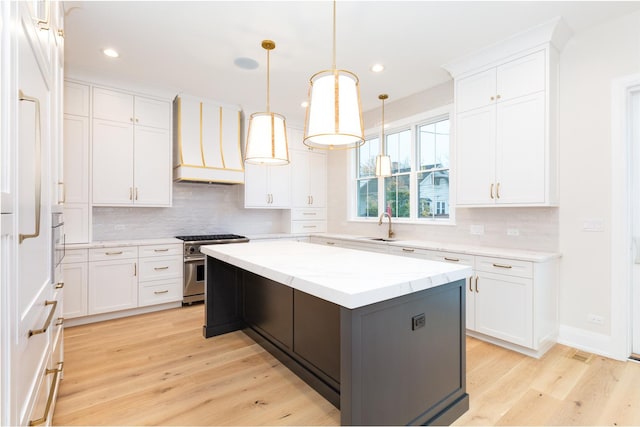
(311, 199)
(47, 322)
(309, 226)
(38, 165)
(43, 24)
(492, 98)
(61, 32)
(52, 389)
(131, 119)
(135, 269)
(491, 191)
(113, 253)
(136, 193)
(477, 291)
(502, 265)
(60, 321)
(408, 250)
(161, 268)
(497, 190)
(130, 193)
(161, 292)
(161, 250)
(59, 285)
(137, 120)
(309, 213)
(330, 243)
(497, 96)
(451, 259)
(470, 279)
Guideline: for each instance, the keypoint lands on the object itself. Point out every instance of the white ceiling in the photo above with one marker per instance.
(190, 47)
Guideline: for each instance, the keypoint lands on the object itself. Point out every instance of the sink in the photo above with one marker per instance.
(380, 239)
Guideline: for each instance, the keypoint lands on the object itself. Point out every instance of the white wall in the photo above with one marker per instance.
(588, 64)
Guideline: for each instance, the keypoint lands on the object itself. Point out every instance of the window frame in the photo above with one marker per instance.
(411, 123)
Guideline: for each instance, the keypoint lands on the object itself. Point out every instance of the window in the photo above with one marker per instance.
(418, 189)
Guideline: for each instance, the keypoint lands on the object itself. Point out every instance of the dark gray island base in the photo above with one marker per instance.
(396, 362)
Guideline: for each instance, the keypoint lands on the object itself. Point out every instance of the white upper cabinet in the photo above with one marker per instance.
(131, 150)
(505, 122)
(76, 99)
(504, 148)
(267, 186)
(309, 183)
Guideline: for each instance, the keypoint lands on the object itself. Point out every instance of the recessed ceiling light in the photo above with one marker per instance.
(304, 104)
(376, 68)
(111, 53)
(246, 63)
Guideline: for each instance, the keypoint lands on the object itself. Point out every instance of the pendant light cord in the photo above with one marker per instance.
(334, 34)
(268, 68)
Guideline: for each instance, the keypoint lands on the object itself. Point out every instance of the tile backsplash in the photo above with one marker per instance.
(197, 209)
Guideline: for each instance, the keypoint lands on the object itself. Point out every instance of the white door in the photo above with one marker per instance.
(280, 186)
(318, 179)
(75, 289)
(300, 182)
(635, 129)
(112, 162)
(113, 285)
(152, 167)
(255, 186)
(76, 159)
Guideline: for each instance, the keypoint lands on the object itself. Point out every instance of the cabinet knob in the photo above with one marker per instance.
(492, 98)
(131, 119)
(139, 120)
(497, 96)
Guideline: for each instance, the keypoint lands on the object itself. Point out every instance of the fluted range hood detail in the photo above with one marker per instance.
(207, 141)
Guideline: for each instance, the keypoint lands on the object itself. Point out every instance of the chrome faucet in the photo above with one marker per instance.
(390, 234)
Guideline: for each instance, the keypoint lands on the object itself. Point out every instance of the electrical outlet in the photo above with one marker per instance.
(513, 232)
(594, 318)
(477, 230)
(593, 225)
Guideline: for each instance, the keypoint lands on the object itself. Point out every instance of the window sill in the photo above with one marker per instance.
(439, 222)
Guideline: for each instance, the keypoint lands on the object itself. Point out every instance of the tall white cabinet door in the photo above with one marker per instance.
(256, 187)
(113, 285)
(280, 186)
(152, 159)
(75, 289)
(520, 153)
(112, 163)
(76, 159)
(318, 179)
(503, 306)
(300, 196)
(475, 150)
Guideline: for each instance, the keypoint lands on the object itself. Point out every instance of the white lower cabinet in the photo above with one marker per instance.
(113, 284)
(106, 280)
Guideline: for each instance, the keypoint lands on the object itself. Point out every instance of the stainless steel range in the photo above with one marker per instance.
(193, 289)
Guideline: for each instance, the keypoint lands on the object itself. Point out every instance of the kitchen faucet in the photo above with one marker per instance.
(380, 223)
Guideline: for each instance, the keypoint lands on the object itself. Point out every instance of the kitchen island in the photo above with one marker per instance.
(380, 336)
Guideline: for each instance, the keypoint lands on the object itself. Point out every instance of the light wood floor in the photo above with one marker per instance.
(157, 369)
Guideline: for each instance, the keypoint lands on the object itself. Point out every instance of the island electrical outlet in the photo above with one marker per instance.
(418, 321)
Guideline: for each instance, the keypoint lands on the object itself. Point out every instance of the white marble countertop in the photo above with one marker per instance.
(346, 277)
(517, 254)
(117, 243)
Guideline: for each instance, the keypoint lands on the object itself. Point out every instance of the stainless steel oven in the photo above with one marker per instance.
(193, 289)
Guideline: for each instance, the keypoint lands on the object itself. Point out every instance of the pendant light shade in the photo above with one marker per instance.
(334, 113)
(383, 162)
(267, 135)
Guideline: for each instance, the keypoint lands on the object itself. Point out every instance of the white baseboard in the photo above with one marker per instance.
(588, 341)
(119, 314)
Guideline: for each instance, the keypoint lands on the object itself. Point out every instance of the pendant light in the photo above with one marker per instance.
(267, 135)
(383, 162)
(334, 113)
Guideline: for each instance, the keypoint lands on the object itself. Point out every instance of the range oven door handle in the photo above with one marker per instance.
(192, 260)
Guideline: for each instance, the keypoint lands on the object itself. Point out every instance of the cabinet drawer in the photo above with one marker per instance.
(308, 227)
(308, 214)
(161, 268)
(160, 250)
(105, 254)
(505, 266)
(159, 292)
(454, 258)
(411, 252)
(75, 255)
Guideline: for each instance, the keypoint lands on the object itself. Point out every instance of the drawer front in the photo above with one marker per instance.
(157, 268)
(308, 227)
(159, 292)
(308, 214)
(75, 255)
(411, 252)
(160, 250)
(107, 254)
(505, 266)
(454, 258)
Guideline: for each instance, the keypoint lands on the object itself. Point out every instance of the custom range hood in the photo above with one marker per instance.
(206, 141)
